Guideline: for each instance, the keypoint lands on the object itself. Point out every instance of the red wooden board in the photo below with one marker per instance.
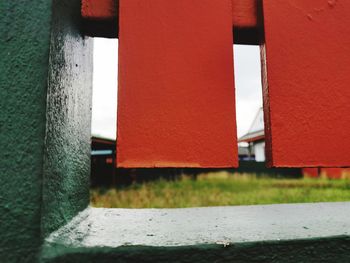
(99, 9)
(307, 93)
(176, 101)
(244, 12)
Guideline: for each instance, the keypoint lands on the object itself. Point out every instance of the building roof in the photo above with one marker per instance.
(256, 130)
(252, 137)
(103, 140)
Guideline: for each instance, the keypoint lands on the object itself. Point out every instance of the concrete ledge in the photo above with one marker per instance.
(278, 233)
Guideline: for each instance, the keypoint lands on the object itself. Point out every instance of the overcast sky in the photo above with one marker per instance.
(104, 103)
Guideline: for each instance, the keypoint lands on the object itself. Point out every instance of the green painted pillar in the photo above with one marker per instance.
(45, 101)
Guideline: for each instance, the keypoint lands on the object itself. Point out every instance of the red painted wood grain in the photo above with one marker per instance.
(176, 99)
(307, 82)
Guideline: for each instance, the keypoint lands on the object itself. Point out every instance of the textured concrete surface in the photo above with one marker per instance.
(306, 93)
(270, 233)
(176, 99)
(68, 119)
(40, 53)
(24, 60)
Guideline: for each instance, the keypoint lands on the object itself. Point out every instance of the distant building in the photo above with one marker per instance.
(103, 165)
(252, 147)
(255, 140)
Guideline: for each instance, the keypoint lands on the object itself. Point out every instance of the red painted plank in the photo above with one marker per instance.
(330, 173)
(99, 9)
(176, 101)
(311, 172)
(100, 16)
(307, 87)
(244, 12)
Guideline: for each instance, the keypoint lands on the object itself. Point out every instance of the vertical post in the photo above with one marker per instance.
(306, 91)
(24, 60)
(45, 97)
(68, 118)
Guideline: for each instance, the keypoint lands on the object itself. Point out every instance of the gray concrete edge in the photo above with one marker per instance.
(128, 235)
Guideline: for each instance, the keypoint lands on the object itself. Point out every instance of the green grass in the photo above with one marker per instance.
(222, 189)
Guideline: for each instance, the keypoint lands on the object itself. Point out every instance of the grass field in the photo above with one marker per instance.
(222, 189)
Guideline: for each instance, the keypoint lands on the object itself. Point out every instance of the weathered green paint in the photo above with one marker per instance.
(35, 53)
(24, 60)
(269, 233)
(68, 128)
(335, 249)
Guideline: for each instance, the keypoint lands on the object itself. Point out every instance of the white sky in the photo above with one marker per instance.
(104, 102)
